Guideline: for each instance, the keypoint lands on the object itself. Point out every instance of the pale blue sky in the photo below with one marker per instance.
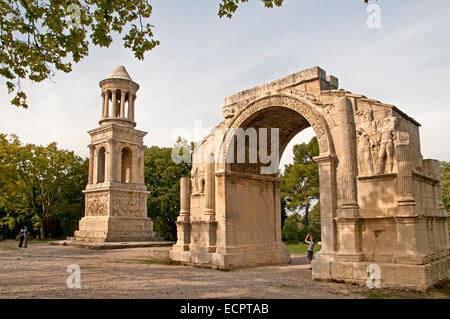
(202, 59)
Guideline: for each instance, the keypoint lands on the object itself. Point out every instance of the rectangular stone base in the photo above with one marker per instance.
(419, 277)
(115, 229)
(233, 260)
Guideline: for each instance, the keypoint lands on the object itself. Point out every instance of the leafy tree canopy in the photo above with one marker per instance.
(162, 178)
(300, 185)
(39, 183)
(38, 37)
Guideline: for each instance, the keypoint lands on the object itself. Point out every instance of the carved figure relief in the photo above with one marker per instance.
(97, 204)
(198, 180)
(375, 143)
(129, 205)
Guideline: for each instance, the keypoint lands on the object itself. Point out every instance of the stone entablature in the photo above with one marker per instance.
(380, 200)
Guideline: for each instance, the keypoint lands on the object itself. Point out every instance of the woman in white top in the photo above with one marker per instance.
(312, 244)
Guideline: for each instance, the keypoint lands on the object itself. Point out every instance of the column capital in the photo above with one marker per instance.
(325, 159)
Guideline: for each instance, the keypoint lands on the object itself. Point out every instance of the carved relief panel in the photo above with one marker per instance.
(198, 180)
(129, 204)
(97, 204)
(375, 143)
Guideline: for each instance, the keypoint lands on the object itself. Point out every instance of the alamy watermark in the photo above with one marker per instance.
(374, 19)
(75, 15)
(236, 145)
(74, 279)
(374, 276)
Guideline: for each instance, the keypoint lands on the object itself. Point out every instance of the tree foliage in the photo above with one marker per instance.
(300, 185)
(39, 37)
(300, 193)
(295, 231)
(42, 187)
(162, 178)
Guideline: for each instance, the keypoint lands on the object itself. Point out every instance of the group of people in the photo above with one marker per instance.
(23, 237)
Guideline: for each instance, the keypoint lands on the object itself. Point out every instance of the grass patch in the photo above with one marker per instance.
(154, 261)
(283, 286)
(301, 248)
(441, 291)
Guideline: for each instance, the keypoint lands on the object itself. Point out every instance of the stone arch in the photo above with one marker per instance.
(300, 105)
(294, 110)
(126, 165)
(245, 228)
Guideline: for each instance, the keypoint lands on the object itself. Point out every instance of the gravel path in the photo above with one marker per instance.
(39, 271)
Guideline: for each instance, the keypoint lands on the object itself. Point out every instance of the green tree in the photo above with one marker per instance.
(69, 209)
(162, 178)
(291, 232)
(43, 181)
(39, 37)
(300, 181)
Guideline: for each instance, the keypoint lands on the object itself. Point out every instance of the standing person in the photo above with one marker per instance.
(21, 237)
(26, 233)
(312, 244)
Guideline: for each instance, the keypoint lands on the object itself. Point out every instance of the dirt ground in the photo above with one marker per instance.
(39, 271)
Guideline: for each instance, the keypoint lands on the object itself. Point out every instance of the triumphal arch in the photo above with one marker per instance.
(380, 201)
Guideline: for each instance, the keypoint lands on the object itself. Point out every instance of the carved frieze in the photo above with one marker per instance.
(198, 180)
(97, 204)
(375, 143)
(129, 204)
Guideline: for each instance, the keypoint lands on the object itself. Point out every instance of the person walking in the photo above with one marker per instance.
(312, 244)
(26, 233)
(21, 237)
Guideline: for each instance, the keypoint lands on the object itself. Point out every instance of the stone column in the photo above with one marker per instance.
(185, 198)
(347, 157)
(114, 103)
(91, 164)
(106, 107)
(103, 105)
(327, 182)
(210, 190)
(404, 169)
(131, 99)
(406, 220)
(141, 166)
(122, 103)
(183, 220)
(112, 160)
(348, 220)
(129, 116)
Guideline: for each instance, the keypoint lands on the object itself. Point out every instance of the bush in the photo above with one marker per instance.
(290, 231)
(292, 234)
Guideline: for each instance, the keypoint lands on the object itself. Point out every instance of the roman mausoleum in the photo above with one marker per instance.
(380, 200)
(116, 195)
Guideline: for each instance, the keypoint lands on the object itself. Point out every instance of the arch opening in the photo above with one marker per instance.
(258, 132)
(126, 165)
(101, 165)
